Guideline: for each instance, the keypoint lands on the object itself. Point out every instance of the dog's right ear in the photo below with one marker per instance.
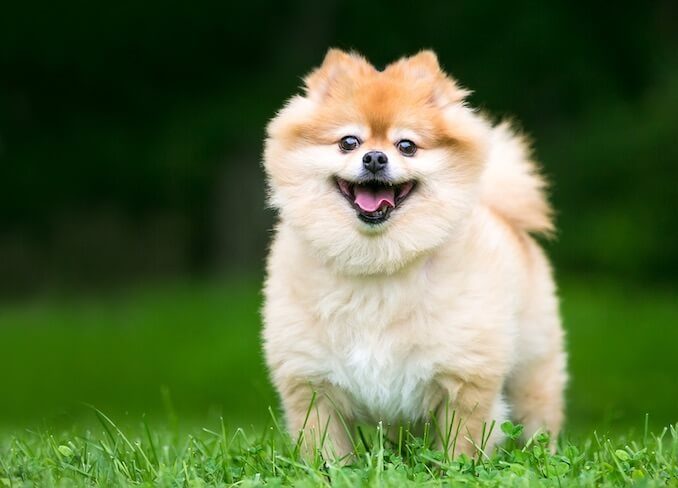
(338, 66)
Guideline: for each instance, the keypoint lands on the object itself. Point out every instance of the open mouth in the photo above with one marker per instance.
(374, 200)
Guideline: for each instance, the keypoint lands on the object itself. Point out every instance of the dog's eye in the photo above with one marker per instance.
(406, 147)
(349, 143)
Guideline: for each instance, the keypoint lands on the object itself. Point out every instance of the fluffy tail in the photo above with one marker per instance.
(512, 186)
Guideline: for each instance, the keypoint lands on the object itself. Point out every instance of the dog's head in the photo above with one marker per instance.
(374, 168)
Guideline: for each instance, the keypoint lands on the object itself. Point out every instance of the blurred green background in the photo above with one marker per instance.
(132, 220)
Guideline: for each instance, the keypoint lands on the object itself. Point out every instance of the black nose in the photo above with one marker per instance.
(375, 161)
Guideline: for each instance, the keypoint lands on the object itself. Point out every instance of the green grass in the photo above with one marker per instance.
(196, 345)
(165, 361)
(110, 456)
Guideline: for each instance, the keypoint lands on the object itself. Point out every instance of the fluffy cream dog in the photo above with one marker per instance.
(403, 280)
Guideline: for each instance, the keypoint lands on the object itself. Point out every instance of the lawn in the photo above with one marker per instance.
(219, 457)
(166, 363)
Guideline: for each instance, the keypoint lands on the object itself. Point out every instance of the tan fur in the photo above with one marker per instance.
(512, 185)
(449, 305)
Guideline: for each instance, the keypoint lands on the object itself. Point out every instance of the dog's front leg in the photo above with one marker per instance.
(318, 418)
(466, 413)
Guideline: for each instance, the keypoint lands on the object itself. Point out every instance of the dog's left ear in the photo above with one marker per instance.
(424, 67)
(423, 64)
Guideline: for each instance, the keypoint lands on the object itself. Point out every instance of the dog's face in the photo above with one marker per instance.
(375, 168)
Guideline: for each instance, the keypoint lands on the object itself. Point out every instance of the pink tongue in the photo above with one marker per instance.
(370, 200)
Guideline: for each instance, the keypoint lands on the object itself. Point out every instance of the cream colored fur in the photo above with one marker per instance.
(449, 305)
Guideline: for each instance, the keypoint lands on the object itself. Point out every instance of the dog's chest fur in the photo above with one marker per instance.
(385, 381)
(374, 354)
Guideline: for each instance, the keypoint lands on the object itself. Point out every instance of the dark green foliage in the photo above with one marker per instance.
(130, 134)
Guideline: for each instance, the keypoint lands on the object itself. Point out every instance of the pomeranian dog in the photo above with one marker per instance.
(403, 280)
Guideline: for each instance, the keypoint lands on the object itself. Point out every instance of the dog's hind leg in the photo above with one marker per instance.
(535, 393)
(536, 384)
